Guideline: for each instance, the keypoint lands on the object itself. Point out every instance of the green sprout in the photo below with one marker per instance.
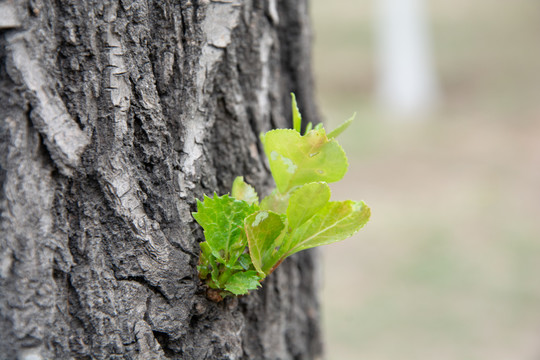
(245, 240)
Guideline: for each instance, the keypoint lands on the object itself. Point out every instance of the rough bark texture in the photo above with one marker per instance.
(115, 116)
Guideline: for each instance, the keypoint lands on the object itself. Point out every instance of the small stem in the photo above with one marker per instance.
(275, 266)
(224, 277)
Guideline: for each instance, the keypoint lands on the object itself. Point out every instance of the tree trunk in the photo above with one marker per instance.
(115, 117)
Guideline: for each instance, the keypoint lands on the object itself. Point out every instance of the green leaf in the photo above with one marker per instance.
(206, 260)
(297, 117)
(298, 215)
(276, 201)
(241, 282)
(306, 201)
(265, 231)
(341, 128)
(296, 160)
(243, 191)
(222, 219)
(208, 266)
(204, 266)
(309, 126)
(335, 222)
(245, 261)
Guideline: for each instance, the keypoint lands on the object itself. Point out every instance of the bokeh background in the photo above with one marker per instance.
(449, 266)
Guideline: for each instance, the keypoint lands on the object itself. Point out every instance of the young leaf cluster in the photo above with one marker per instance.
(246, 239)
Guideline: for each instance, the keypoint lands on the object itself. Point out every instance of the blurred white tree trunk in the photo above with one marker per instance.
(406, 75)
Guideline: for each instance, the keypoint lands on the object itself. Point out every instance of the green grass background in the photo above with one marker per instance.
(449, 266)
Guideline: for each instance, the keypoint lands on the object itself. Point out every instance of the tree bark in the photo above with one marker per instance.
(115, 117)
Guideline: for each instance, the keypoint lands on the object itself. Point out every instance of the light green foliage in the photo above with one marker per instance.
(239, 282)
(296, 116)
(222, 254)
(336, 221)
(265, 231)
(276, 201)
(222, 219)
(243, 191)
(296, 160)
(341, 128)
(246, 241)
(306, 201)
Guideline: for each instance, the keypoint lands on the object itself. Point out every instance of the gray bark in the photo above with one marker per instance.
(114, 117)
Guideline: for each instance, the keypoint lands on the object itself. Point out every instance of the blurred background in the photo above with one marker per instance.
(446, 151)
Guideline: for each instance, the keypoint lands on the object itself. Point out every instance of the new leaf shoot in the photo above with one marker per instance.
(245, 241)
